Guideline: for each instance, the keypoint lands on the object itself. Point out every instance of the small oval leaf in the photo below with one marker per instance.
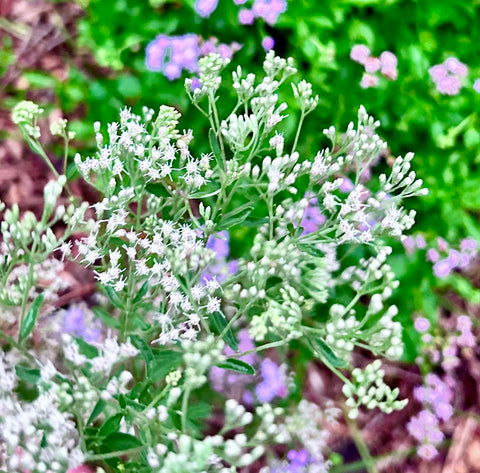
(31, 317)
(237, 365)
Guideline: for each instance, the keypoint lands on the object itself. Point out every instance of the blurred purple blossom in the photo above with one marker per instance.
(442, 268)
(476, 86)
(360, 53)
(273, 382)
(421, 324)
(368, 80)
(432, 255)
(447, 75)
(75, 322)
(372, 64)
(173, 54)
(268, 43)
(246, 17)
(347, 185)
(220, 268)
(269, 10)
(205, 7)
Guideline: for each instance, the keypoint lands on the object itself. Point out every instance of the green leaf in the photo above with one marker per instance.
(119, 441)
(326, 353)
(144, 348)
(86, 349)
(31, 317)
(217, 152)
(111, 425)
(108, 320)
(237, 365)
(97, 410)
(113, 296)
(220, 322)
(143, 290)
(163, 362)
(157, 189)
(30, 375)
(311, 250)
(229, 222)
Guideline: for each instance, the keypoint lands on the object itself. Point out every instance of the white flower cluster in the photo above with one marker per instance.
(37, 435)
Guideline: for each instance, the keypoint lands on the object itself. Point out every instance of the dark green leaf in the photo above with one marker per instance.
(113, 296)
(311, 250)
(30, 375)
(326, 353)
(97, 410)
(227, 223)
(220, 322)
(119, 441)
(157, 189)
(31, 317)
(111, 425)
(237, 365)
(217, 152)
(106, 318)
(143, 290)
(86, 349)
(163, 362)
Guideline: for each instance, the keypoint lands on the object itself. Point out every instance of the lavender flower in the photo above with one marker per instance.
(447, 76)
(360, 53)
(442, 268)
(368, 80)
(183, 52)
(269, 10)
(476, 86)
(273, 382)
(205, 7)
(74, 322)
(268, 43)
(432, 255)
(246, 17)
(421, 324)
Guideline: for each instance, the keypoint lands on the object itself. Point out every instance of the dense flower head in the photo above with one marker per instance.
(273, 382)
(173, 54)
(447, 76)
(205, 7)
(386, 64)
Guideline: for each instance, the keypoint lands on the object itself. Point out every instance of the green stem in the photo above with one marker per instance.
(278, 343)
(186, 396)
(297, 135)
(362, 447)
(106, 456)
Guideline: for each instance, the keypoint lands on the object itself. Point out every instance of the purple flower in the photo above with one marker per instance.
(312, 219)
(438, 72)
(388, 60)
(476, 86)
(246, 17)
(219, 244)
(409, 244)
(427, 452)
(449, 85)
(346, 186)
(442, 244)
(298, 460)
(239, 2)
(74, 322)
(182, 52)
(205, 7)
(372, 64)
(420, 242)
(273, 382)
(421, 324)
(442, 268)
(368, 80)
(468, 244)
(456, 67)
(269, 10)
(268, 43)
(432, 255)
(360, 53)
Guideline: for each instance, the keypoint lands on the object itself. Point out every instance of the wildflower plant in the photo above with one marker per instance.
(133, 399)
